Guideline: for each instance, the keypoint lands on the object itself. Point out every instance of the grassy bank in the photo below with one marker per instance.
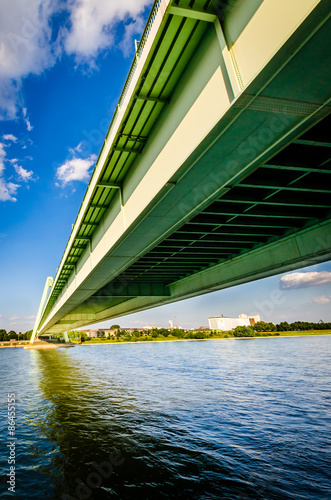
(223, 335)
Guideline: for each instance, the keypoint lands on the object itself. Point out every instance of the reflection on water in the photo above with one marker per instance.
(202, 420)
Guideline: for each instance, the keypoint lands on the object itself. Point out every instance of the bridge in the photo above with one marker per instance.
(215, 170)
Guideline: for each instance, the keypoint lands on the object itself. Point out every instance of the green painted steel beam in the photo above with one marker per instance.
(163, 100)
(270, 202)
(297, 168)
(118, 289)
(125, 150)
(110, 185)
(130, 137)
(306, 247)
(228, 224)
(198, 15)
(284, 188)
(96, 205)
(321, 144)
(247, 214)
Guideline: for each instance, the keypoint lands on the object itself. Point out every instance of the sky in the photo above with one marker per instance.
(63, 65)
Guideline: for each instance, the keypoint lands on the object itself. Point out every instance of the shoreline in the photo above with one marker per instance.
(202, 340)
(103, 343)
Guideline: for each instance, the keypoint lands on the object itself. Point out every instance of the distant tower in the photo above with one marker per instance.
(171, 325)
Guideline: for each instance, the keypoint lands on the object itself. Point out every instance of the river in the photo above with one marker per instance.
(218, 419)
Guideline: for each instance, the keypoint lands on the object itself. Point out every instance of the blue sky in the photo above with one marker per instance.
(62, 68)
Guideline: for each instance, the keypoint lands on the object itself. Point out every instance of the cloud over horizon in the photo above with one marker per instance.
(303, 280)
(321, 300)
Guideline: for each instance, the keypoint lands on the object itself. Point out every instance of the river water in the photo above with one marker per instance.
(217, 419)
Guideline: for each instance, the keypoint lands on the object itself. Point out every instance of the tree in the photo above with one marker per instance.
(243, 331)
(190, 335)
(178, 333)
(115, 327)
(200, 335)
(84, 337)
(27, 335)
(72, 335)
(262, 326)
(283, 327)
(163, 332)
(3, 335)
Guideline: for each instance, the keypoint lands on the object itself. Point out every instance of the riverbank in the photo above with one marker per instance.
(225, 336)
(4, 344)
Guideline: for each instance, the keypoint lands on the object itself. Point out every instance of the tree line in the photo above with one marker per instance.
(240, 331)
(11, 335)
(284, 326)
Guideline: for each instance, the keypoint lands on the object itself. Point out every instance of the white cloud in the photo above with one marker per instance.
(30, 42)
(25, 48)
(13, 318)
(9, 137)
(26, 120)
(302, 280)
(23, 174)
(76, 169)
(77, 149)
(2, 157)
(92, 24)
(132, 29)
(321, 299)
(8, 190)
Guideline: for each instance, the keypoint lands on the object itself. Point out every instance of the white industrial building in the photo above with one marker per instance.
(225, 323)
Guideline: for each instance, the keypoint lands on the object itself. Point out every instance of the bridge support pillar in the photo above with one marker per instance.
(66, 336)
(48, 284)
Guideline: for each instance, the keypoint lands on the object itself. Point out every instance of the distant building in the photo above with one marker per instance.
(252, 319)
(91, 333)
(226, 323)
(108, 332)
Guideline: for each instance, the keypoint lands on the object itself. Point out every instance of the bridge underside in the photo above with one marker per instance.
(249, 198)
(274, 220)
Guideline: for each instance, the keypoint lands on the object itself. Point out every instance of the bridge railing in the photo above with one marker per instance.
(142, 43)
(160, 6)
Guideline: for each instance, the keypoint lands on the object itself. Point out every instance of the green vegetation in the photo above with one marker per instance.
(243, 331)
(4, 336)
(302, 326)
(262, 326)
(161, 334)
(260, 329)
